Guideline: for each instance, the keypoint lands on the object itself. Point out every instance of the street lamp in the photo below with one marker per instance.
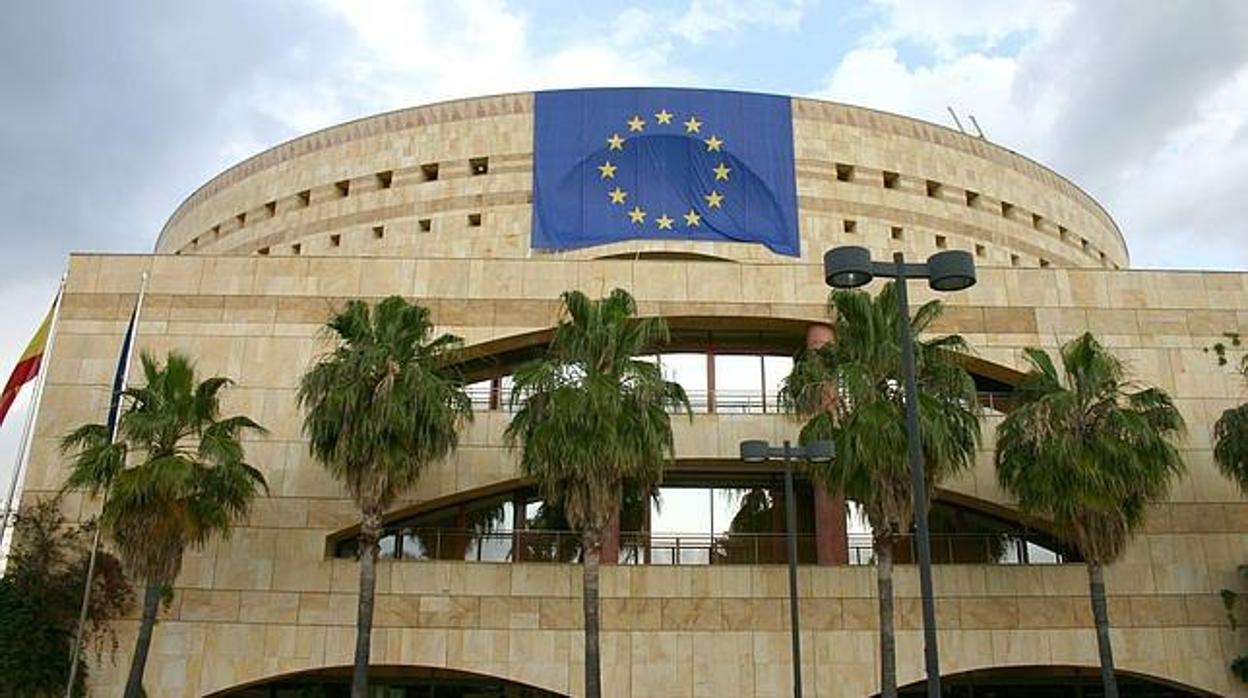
(757, 451)
(952, 270)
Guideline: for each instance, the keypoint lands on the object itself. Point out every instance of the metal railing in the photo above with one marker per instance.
(725, 401)
(637, 548)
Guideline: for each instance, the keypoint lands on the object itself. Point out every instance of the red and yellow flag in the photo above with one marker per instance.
(27, 366)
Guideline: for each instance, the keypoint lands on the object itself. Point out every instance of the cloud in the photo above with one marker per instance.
(1143, 104)
(703, 19)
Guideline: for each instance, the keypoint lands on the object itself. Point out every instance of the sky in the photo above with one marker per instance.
(112, 113)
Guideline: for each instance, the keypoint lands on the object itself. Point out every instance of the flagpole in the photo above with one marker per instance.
(28, 431)
(114, 399)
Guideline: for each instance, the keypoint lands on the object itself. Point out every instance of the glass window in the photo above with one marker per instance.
(480, 394)
(738, 383)
(775, 370)
(690, 371)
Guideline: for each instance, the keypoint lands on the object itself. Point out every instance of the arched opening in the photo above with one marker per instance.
(389, 681)
(1050, 682)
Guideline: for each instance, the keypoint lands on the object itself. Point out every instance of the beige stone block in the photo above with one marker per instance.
(268, 607)
(327, 609)
(632, 613)
(991, 612)
(450, 611)
(209, 605)
(302, 575)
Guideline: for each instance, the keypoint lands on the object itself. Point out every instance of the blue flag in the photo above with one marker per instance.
(663, 164)
(123, 362)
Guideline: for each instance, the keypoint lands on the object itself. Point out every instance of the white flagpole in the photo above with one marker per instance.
(95, 541)
(28, 431)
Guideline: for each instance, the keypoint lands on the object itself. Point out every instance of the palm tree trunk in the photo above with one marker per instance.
(1100, 615)
(151, 604)
(592, 545)
(370, 532)
(888, 640)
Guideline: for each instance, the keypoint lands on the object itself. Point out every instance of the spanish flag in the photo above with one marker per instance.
(27, 366)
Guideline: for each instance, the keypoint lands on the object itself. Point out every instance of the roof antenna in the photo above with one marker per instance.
(978, 130)
(955, 119)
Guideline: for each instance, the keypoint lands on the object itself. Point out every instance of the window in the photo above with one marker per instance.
(1083, 242)
(1013, 260)
(296, 248)
(844, 173)
(972, 197)
(474, 220)
(335, 240)
(851, 226)
(1036, 220)
(385, 179)
(1062, 232)
(479, 166)
(242, 219)
(1006, 208)
(891, 180)
(263, 252)
(897, 232)
(425, 225)
(690, 371)
(194, 242)
(980, 251)
(271, 208)
(216, 232)
(379, 232)
(343, 188)
(933, 188)
(429, 172)
(942, 242)
(305, 197)
(1044, 263)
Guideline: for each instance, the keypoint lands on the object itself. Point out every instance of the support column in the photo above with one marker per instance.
(831, 534)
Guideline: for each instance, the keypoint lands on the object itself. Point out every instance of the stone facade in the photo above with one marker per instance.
(271, 600)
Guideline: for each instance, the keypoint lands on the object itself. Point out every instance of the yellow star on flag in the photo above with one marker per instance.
(721, 172)
(692, 219)
(664, 222)
(714, 199)
(636, 123)
(637, 215)
(664, 116)
(615, 142)
(713, 143)
(608, 170)
(617, 195)
(693, 125)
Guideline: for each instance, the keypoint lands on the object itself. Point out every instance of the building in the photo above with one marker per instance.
(434, 203)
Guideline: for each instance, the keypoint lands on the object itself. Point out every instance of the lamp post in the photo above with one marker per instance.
(953, 270)
(757, 451)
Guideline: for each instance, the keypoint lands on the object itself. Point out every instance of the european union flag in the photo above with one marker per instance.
(664, 164)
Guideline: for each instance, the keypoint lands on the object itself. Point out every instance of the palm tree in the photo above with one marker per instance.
(1091, 451)
(591, 417)
(381, 406)
(851, 392)
(1230, 449)
(174, 477)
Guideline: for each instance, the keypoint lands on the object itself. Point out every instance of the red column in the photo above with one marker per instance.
(831, 537)
(611, 541)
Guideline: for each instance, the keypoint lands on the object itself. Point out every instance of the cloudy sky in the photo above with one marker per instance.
(111, 113)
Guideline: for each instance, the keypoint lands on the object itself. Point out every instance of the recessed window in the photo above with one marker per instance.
(1036, 220)
(1062, 232)
(271, 208)
(891, 180)
(844, 173)
(379, 232)
(335, 240)
(242, 219)
(429, 172)
(942, 242)
(897, 232)
(343, 188)
(980, 251)
(425, 224)
(1083, 243)
(479, 166)
(972, 197)
(474, 220)
(385, 179)
(194, 242)
(851, 226)
(216, 232)
(296, 248)
(1044, 263)
(263, 252)
(1013, 260)
(1102, 256)
(1006, 208)
(305, 197)
(933, 188)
